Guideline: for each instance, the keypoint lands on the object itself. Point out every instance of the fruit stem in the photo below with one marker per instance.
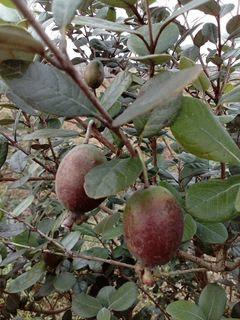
(89, 131)
(145, 173)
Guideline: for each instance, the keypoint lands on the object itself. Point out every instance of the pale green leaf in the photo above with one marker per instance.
(64, 11)
(159, 94)
(23, 205)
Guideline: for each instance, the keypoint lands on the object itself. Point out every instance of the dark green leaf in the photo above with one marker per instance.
(120, 84)
(233, 27)
(3, 151)
(64, 282)
(214, 200)
(64, 11)
(211, 7)
(212, 301)
(124, 297)
(200, 133)
(85, 306)
(210, 31)
(159, 94)
(112, 177)
(47, 89)
(185, 310)
(27, 279)
(212, 232)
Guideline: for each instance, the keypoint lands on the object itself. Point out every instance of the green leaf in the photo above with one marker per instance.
(214, 233)
(64, 282)
(8, 14)
(104, 295)
(150, 125)
(167, 38)
(107, 223)
(17, 43)
(23, 206)
(3, 151)
(64, 11)
(27, 279)
(50, 133)
(8, 3)
(233, 27)
(102, 24)
(202, 83)
(159, 94)
(70, 240)
(213, 301)
(190, 228)
(211, 7)
(119, 3)
(194, 4)
(85, 306)
(232, 96)
(124, 297)
(153, 58)
(185, 310)
(112, 177)
(46, 89)
(210, 31)
(104, 314)
(199, 132)
(214, 200)
(120, 84)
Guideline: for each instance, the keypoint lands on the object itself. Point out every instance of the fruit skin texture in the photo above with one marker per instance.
(94, 74)
(69, 183)
(153, 226)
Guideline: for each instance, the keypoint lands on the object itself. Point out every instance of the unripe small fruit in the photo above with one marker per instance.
(70, 178)
(153, 226)
(94, 74)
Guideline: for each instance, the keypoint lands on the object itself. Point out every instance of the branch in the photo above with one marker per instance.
(16, 145)
(73, 73)
(30, 179)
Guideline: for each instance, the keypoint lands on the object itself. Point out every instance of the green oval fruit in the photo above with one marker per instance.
(69, 183)
(94, 74)
(153, 226)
